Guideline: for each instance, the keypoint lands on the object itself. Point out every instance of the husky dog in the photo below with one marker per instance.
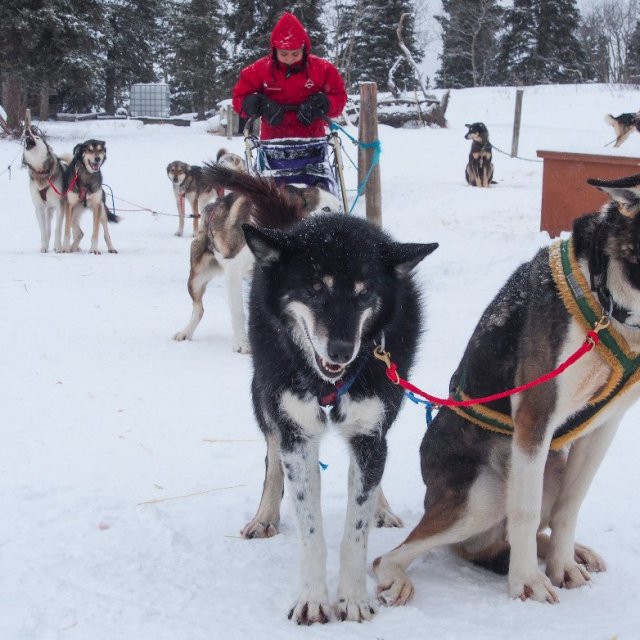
(83, 190)
(46, 175)
(324, 292)
(492, 496)
(479, 170)
(221, 245)
(188, 185)
(623, 125)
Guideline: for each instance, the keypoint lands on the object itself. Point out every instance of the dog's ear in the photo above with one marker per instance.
(267, 245)
(403, 257)
(77, 150)
(624, 191)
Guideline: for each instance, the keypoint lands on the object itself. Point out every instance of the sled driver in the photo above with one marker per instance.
(291, 89)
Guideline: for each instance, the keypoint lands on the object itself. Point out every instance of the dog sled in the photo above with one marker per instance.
(308, 161)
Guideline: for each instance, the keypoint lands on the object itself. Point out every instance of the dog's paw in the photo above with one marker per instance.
(384, 517)
(112, 251)
(569, 575)
(354, 609)
(181, 336)
(309, 612)
(44, 250)
(258, 529)
(394, 587)
(241, 346)
(178, 234)
(533, 587)
(589, 558)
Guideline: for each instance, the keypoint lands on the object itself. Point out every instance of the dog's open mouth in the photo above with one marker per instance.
(329, 369)
(95, 164)
(29, 143)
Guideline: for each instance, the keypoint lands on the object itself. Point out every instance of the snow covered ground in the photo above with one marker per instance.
(129, 462)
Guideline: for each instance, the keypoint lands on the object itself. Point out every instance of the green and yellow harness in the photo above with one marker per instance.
(584, 307)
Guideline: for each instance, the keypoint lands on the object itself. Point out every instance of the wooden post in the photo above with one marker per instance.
(368, 133)
(229, 122)
(516, 124)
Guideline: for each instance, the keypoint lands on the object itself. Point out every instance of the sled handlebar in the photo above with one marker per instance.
(246, 132)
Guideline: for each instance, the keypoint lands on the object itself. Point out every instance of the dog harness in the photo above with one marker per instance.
(585, 308)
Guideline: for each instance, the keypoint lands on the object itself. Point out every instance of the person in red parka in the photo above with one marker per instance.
(291, 89)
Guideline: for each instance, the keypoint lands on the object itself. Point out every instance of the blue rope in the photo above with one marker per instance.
(427, 405)
(377, 150)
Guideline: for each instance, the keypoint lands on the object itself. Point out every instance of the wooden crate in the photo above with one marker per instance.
(565, 192)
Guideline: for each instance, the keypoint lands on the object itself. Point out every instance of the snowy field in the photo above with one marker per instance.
(129, 462)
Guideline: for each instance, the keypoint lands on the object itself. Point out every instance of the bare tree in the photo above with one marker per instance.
(408, 56)
(617, 22)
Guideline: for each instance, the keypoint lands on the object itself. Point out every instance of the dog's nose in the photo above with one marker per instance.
(340, 351)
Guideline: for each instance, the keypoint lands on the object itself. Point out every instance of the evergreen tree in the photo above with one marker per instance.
(348, 25)
(469, 43)
(376, 48)
(594, 44)
(49, 46)
(199, 56)
(132, 34)
(633, 56)
(540, 44)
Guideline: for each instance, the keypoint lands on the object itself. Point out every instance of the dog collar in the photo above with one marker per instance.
(341, 387)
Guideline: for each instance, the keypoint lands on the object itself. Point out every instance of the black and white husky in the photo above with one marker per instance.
(324, 292)
(498, 475)
(46, 176)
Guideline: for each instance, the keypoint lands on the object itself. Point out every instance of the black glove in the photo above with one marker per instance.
(252, 104)
(315, 107)
(271, 111)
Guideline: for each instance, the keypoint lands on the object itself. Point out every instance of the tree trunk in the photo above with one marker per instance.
(44, 101)
(110, 91)
(14, 100)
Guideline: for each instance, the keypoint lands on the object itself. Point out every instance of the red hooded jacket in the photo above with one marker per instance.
(278, 83)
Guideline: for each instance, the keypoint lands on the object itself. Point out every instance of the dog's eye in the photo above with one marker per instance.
(317, 286)
(326, 209)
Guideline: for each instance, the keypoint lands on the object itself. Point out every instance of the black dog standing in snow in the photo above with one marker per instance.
(479, 170)
(324, 292)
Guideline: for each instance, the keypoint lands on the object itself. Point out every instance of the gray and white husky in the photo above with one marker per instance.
(220, 245)
(501, 475)
(325, 290)
(46, 178)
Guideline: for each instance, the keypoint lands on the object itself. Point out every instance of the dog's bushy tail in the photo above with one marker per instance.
(111, 216)
(272, 206)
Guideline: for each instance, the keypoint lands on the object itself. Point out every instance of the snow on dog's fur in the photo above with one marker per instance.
(324, 291)
(492, 496)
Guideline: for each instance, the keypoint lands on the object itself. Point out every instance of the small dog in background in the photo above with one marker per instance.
(623, 125)
(46, 177)
(188, 185)
(83, 190)
(479, 170)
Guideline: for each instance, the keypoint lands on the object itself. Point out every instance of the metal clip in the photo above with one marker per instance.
(603, 323)
(382, 355)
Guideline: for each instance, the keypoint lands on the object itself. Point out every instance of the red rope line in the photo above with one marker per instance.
(73, 184)
(392, 373)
